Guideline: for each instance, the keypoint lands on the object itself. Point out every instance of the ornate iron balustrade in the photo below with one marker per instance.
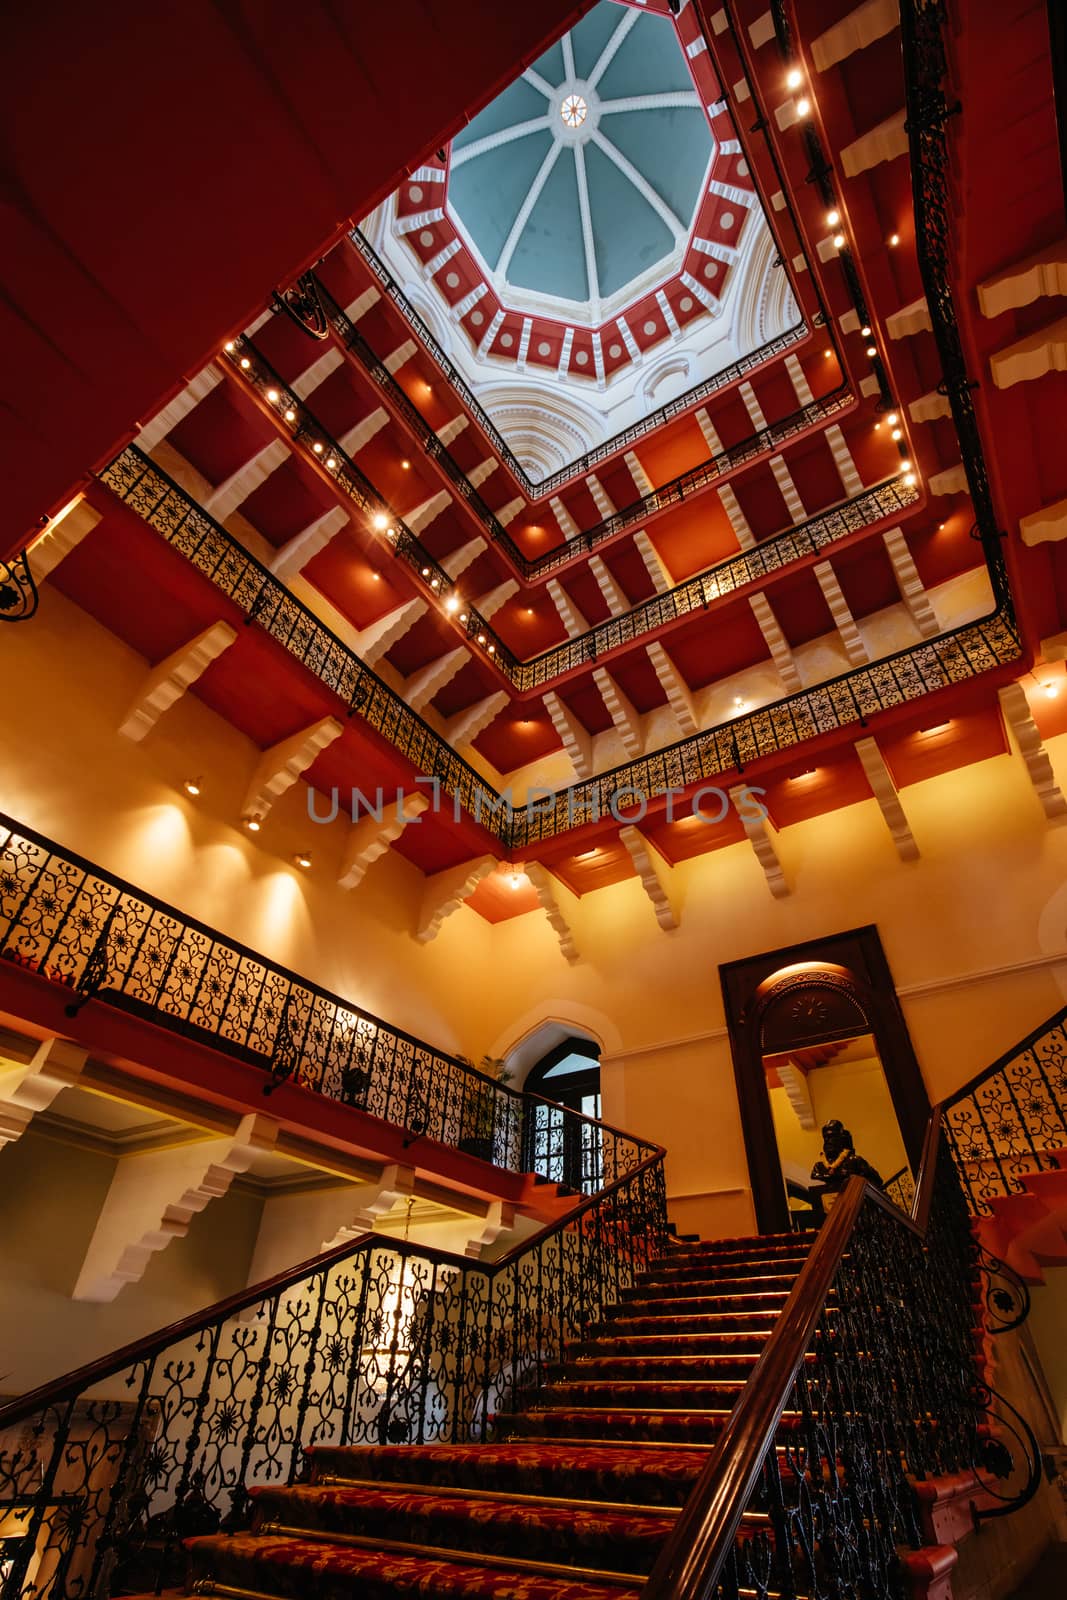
(845, 701)
(1011, 1120)
(873, 1360)
(67, 919)
(672, 493)
(546, 486)
(160, 502)
(372, 1343)
(839, 703)
(18, 589)
(693, 594)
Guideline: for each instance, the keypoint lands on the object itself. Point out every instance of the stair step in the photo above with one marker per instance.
(625, 1540)
(224, 1566)
(632, 1423)
(611, 1473)
(582, 1369)
(741, 1344)
(732, 1285)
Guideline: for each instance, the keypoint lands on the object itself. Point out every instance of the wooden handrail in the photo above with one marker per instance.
(72, 1384)
(692, 1559)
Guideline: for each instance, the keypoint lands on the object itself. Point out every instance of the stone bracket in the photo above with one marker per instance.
(279, 767)
(368, 839)
(30, 1087)
(446, 891)
(168, 681)
(653, 872)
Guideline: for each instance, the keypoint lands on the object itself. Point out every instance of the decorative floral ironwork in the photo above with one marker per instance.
(301, 301)
(18, 590)
(382, 1341)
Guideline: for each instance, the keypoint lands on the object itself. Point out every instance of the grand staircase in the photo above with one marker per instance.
(583, 1484)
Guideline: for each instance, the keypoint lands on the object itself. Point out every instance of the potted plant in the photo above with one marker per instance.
(478, 1117)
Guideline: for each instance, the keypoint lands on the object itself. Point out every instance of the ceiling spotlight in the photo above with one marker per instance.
(302, 859)
(229, 344)
(872, 350)
(809, 772)
(245, 363)
(892, 419)
(405, 465)
(877, 426)
(940, 727)
(426, 572)
(192, 786)
(273, 396)
(898, 433)
(463, 616)
(317, 447)
(481, 638)
(492, 650)
(905, 465)
(910, 480)
(803, 107)
(794, 78)
(839, 241)
(940, 527)
(452, 603)
(515, 880)
(1052, 689)
(894, 239)
(827, 353)
(587, 855)
(290, 415)
(866, 330)
(435, 583)
(331, 462)
(252, 823)
(833, 218)
(381, 521)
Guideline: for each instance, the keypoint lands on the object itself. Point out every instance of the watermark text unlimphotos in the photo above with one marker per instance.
(709, 804)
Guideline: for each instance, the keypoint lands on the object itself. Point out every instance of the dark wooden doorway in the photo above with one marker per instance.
(813, 993)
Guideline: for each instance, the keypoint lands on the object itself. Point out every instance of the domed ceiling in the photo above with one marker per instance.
(591, 246)
(583, 177)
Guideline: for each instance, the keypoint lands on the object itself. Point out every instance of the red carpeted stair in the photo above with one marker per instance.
(583, 1485)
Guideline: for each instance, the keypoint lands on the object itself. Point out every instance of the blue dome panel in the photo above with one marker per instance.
(520, 102)
(629, 236)
(590, 35)
(670, 148)
(487, 192)
(649, 61)
(550, 256)
(550, 65)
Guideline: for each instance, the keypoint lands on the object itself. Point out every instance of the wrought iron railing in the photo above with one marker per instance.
(900, 1188)
(840, 702)
(874, 1355)
(610, 447)
(75, 924)
(685, 484)
(1011, 1120)
(372, 1343)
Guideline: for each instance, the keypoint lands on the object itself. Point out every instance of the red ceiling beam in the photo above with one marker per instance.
(165, 166)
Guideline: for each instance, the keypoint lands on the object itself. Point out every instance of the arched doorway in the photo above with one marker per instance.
(817, 1033)
(566, 1148)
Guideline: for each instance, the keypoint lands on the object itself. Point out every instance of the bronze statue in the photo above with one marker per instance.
(839, 1159)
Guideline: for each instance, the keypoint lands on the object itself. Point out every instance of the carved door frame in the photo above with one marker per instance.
(850, 972)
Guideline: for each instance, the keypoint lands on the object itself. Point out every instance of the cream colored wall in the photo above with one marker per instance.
(67, 773)
(856, 1093)
(974, 930)
(1048, 1328)
(50, 1197)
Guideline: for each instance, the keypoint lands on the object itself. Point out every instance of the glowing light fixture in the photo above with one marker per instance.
(839, 241)
(898, 433)
(245, 363)
(804, 107)
(910, 479)
(405, 465)
(290, 415)
(872, 350)
(833, 218)
(1052, 688)
(302, 859)
(938, 727)
(228, 345)
(866, 330)
(317, 447)
(331, 462)
(273, 396)
(452, 603)
(794, 78)
(894, 240)
(892, 419)
(381, 521)
(251, 823)
(193, 786)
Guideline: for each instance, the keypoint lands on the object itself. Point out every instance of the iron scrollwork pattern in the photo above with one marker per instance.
(1012, 1121)
(381, 1341)
(63, 918)
(302, 303)
(19, 597)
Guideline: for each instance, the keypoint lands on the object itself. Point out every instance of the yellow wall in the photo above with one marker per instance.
(974, 930)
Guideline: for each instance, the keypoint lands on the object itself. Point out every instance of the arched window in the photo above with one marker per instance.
(566, 1149)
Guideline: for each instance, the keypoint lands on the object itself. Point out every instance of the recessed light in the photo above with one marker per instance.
(481, 638)
(273, 396)
(331, 462)
(894, 239)
(839, 241)
(228, 345)
(1052, 689)
(463, 616)
(452, 603)
(405, 465)
(380, 521)
(833, 218)
(872, 350)
(290, 415)
(252, 824)
(809, 772)
(794, 78)
(910, 479)
(193, 786)
(302, 859)
(492, 650)
(426, 572)
(827, 353)
(938, 727)
(898, 433)
(515, 879)
(245, 363)
(866, 330)
(892, 419)
(803, 107)
(317, 447)
(587, 855)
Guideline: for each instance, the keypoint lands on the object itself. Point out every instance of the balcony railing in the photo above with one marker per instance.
(841, 702)
(75, 924)
(610, 447)
(671, 493)
(373, 1343)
